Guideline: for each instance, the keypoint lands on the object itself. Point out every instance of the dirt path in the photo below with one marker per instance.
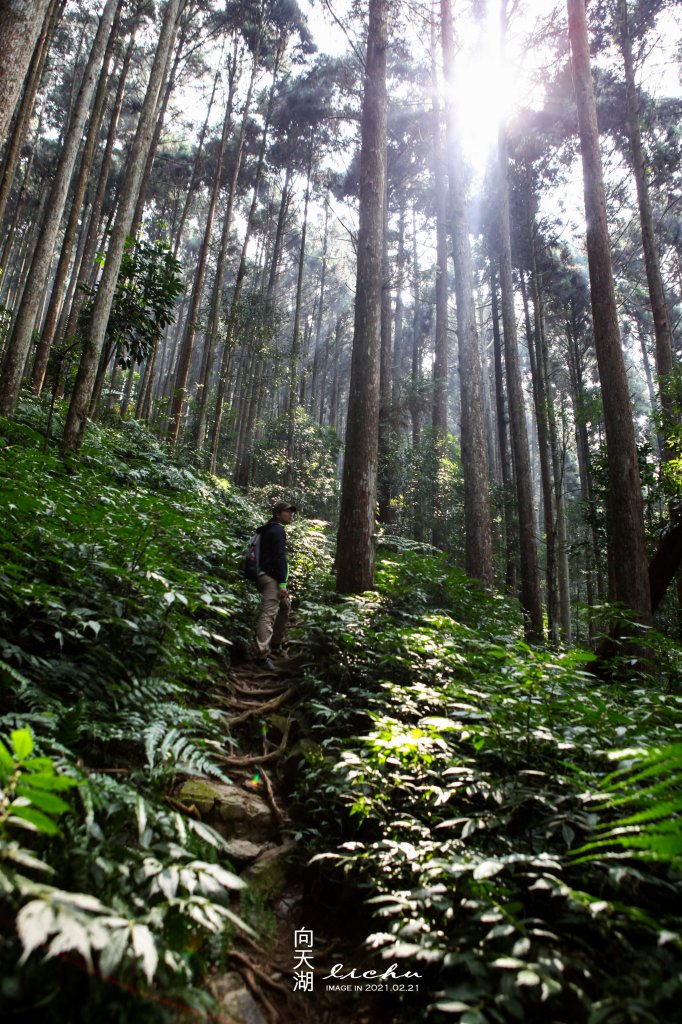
(284, 978)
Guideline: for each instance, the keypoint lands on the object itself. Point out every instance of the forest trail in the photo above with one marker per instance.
(258, 816)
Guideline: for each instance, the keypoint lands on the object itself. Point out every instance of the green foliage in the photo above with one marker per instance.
(314, 486)
(120, 603)
(418, 476)
(461, 779)
(148, 286)
(648, 785)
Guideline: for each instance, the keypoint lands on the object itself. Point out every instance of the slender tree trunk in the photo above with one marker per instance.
(530, 593)
(295, 341)
(440, 361)
(22, 331)
(198, 286)
(160, 114)
(71, 327)
(194, 178)
(80, 400)
(318, 354)
(18, 207)
(69, 239)
(21, 22)
(241, 272)
(659, 308)
(540, 405)
(416, 361)
(33, 80)
(626, 520)
(385, 484)
(477, 526)
(355, 542)
(211, 336)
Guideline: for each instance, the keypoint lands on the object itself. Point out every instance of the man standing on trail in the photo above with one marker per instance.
(272, 583)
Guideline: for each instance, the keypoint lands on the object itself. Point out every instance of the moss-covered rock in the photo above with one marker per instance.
(269, 874)
(230, 810)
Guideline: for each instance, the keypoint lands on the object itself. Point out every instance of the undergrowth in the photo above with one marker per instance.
(465, 784)
(120, 607)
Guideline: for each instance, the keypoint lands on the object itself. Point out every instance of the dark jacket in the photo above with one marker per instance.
(273, 551)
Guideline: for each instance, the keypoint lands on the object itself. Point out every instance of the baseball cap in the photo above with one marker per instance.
(282, 506)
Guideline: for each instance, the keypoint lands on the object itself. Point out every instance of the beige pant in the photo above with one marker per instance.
(274, 614)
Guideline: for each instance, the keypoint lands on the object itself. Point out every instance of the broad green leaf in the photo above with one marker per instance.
(43, 799)
(22, 741)
(30, 818)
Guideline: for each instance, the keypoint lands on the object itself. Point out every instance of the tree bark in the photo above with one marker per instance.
(659, 308)
(477, 526)
(33, 80)
(211, 337)
(295, 353)
(625, 519)
(355, 541)
(530, 593)
(22, 331)
(85, 268)
(69, 238)
(187, 343)
(21, 22)
(92, 346)
(241, 272)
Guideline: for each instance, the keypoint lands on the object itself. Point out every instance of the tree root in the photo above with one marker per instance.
(258, 759)
(259, 972)
(249, 976)
(277, 816)
(190, 810)
(270, 705)
(270, 691)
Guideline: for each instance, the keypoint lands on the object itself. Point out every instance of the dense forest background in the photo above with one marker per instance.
(417, 268)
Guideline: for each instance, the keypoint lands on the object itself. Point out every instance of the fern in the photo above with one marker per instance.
(651, 789)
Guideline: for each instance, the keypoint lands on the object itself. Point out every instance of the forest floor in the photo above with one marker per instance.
(262, 703)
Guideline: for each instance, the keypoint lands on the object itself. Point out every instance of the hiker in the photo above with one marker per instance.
(272, 583)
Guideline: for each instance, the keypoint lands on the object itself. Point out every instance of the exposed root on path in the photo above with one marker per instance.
(251, 761)
(261, 709)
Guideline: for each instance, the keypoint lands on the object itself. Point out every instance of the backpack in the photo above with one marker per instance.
(250, 561)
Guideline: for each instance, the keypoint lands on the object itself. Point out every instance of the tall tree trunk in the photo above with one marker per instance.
(169, 74)
(92, 345)
(530, 592)
(477, 526)
(318, 353)
(540, 403)
(21, 22)
(355, 541)
(194, 177)
(385, 484)
(33, 79)
(191, 324)
(295, 341)
(22, 331)
(626, 520)
(416, 357)
(241, 272)
(70, 328)
(69, 238)
(441, 347)
(659, 308)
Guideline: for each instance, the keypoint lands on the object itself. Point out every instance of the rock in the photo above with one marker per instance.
(241, 851)
(268, 874)
(231, 810)
(235, 998)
